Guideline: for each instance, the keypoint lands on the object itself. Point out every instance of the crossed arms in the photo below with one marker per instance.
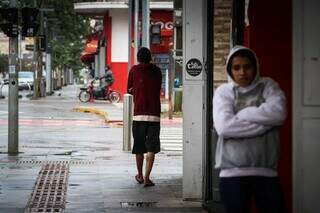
(250, 121)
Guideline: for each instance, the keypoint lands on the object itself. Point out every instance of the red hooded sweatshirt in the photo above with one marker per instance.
(144, 83)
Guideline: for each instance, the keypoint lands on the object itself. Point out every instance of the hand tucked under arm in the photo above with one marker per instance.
(272, 112)
(227, 123)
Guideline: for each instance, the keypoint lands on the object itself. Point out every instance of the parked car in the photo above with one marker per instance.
(5, 81)
(4, 78)
(25, 79)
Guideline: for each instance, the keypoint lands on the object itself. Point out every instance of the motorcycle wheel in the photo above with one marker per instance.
(114, 97)
(84, 96)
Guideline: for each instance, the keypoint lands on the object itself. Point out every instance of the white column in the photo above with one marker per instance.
(194, 97)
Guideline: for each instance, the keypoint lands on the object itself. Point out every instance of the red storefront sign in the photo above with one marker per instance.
(87, 56)
(163, 18)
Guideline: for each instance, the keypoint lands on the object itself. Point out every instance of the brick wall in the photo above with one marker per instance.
(222, 19)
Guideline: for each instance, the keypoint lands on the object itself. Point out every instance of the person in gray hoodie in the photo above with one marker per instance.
(247, 114)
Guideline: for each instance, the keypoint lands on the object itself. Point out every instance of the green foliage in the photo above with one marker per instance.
(65, 31)
(68, 30)
(27, 3)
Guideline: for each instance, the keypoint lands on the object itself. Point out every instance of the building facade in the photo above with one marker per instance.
(113, 39)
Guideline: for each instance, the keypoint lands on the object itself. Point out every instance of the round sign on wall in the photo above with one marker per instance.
(194, 67)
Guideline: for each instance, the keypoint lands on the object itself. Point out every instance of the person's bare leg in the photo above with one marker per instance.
(139, 162)
(149, 164)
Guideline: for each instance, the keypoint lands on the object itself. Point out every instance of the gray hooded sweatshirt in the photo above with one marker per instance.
(247, 121)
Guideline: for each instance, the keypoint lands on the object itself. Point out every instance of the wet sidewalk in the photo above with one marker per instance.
(76, 169)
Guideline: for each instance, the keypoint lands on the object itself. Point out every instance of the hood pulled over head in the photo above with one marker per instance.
(242, 51)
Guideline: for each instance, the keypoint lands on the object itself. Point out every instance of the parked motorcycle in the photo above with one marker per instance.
(90, 94)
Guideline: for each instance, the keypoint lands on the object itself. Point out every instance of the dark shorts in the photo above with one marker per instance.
(146, 137)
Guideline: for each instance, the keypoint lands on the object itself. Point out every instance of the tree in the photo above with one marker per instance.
(4, 63)
(68, 30)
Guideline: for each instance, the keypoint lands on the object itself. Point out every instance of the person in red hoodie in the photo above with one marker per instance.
(144, 83)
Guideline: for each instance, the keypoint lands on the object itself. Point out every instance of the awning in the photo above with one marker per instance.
(87, 56)
(100, 8)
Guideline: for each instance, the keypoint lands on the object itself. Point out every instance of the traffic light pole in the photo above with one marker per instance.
(38, 85)
(13, 104)
(35, 46)
(145, 23)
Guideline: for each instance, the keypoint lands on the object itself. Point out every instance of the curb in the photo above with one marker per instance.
(103, 114)
(96, 111)
(119, 123)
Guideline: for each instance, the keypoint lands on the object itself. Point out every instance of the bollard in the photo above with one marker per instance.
(1, 86)
(177, 100)
(127, 122)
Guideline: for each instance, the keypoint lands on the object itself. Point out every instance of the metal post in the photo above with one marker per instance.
(136, 30)
(96, 65)
(130, 34)
(170, 81)
(145, 23)
(20, 50)
(35, 47)
(48, 74)
(127, 121)
(13, 103)
(34, 63)
(166, 94)
(102, 60)
(48, 60)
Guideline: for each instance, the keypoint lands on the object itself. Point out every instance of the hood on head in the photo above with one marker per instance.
(233, 51)
(146, 67)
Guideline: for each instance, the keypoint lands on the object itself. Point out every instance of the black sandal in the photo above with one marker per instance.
(140, 181)
(148, 184)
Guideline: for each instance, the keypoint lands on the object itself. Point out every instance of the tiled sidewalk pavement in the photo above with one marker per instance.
(101, 175)
(101, 185)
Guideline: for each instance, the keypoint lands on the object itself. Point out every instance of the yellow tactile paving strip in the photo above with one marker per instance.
(103, 114)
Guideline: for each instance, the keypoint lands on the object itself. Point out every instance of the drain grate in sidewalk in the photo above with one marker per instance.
(40, 162)
(50, 189)
(137, 204)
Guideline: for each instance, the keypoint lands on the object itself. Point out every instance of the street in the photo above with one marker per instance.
(50, 122)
